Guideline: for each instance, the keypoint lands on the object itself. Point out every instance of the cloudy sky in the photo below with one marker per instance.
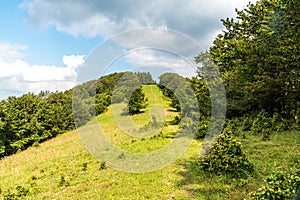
(44, 43)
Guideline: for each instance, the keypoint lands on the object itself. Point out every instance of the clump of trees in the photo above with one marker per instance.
(145, 78)
(180, 90)
(169, 83)
(128, 90)
(137, 101)
(30, 118)
(258, 56)
(93, 97)
(175, 86)
(184, 99)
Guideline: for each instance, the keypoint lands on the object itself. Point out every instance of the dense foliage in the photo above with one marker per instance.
(258, 56)
(184, 99)
(169, 83)
(183, 93)
(137, 101)
(128, 90)
(145, 78)
(226, 156)
(174, 86)
(283, 184)
(30, 119)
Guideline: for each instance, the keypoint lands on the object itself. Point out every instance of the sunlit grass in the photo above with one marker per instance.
(124, 130)
(62, 168)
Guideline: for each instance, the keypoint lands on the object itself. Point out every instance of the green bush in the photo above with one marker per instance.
(102, 165)
(279, 186)
(63, 181)
(18, 193)
(279, 124)
(202, 128)
(137, 102)
(261, 123)
(226, 156)
(247, 124)
(264, 125)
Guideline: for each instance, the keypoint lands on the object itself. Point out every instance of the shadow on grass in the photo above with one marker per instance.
(125, 113)
(196, 182)
(204, 185)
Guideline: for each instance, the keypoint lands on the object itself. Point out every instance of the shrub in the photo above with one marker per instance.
(281, 185)
(247, 124)
(102, 165)
(63, 181)
(261, 123)
(265, 125)
(84, 166)
(137, 102)
(226, 156)
(202, 128)
(279, 124)
(19, 193)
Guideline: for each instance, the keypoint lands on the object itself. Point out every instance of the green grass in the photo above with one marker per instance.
(62, 168)
(280, 153)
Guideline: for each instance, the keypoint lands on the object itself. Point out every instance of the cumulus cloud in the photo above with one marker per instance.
(73, 61)
(198, 19)
(158, 61)
(10, 52)
(18, 77)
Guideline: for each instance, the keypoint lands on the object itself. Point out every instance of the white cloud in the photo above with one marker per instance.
(156, 60)
(73, 61)
(18, 77)
(198, 19)
(10, 52)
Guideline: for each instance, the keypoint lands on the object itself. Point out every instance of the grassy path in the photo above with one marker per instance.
(62, 168)
(119, 129)
(151, 88)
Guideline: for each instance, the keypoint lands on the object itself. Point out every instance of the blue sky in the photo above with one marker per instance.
(43, 43)
(44, 46)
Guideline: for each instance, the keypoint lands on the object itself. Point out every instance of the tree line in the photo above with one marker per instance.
(258, 57)
(32, 118)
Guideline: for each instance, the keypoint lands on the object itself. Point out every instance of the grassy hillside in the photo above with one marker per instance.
(62, 168)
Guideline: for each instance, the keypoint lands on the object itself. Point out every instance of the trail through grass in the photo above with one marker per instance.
(62, 168)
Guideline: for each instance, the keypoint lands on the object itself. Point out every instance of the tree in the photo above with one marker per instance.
(3, 129)
(258, 56)
(106, 84)
(145, 78)
(226, 156)
(169, 83)
(31, 118)
(137, 101)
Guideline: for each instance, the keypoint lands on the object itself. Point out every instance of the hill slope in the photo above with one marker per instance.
(62, 168)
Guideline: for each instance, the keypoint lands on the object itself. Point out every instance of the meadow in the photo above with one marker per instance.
(62, 168)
